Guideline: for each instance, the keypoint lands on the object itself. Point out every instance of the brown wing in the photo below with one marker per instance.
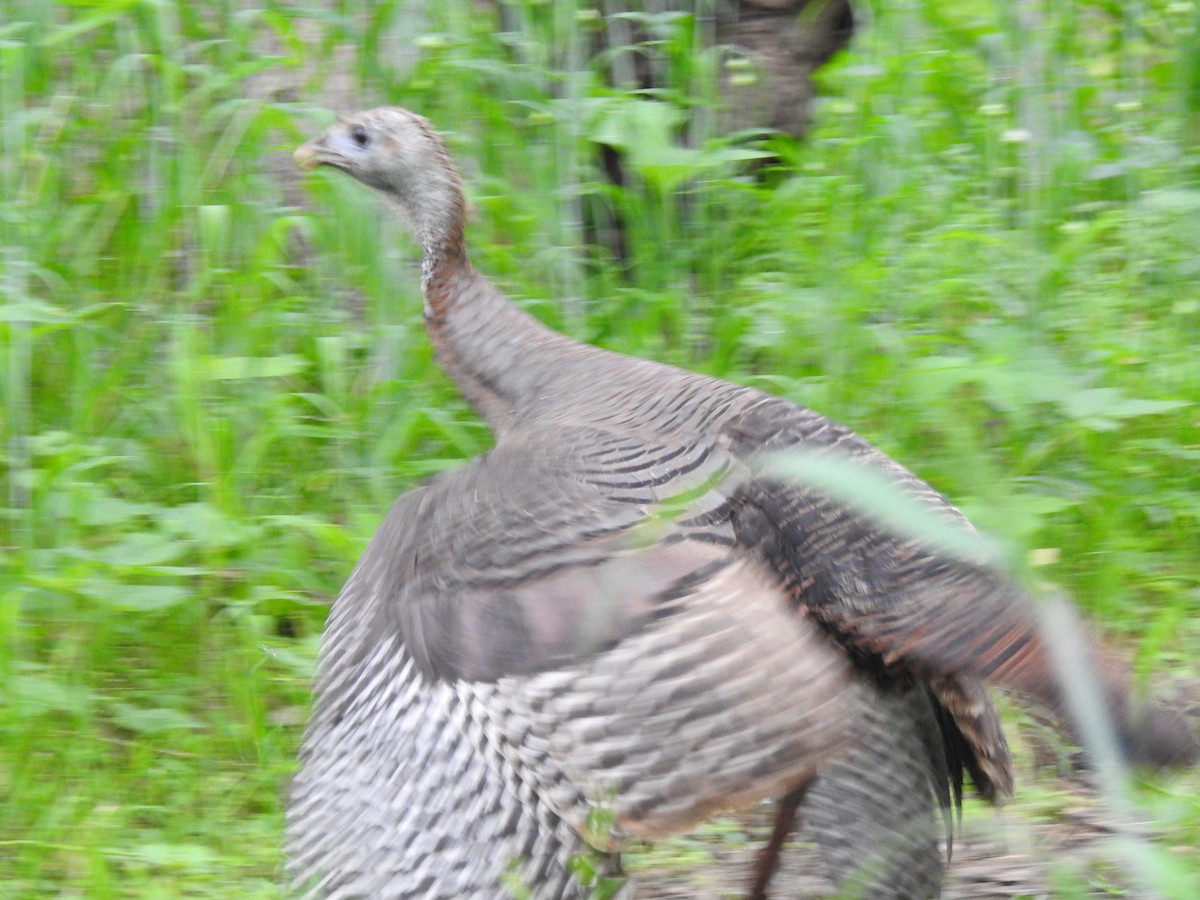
(592, 613)
(529, 558)
(391, 798)
(728, 699)
(905, 604)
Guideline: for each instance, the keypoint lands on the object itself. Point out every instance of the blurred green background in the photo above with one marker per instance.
(985, 258)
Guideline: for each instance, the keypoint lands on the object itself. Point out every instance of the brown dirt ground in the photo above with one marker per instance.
(1043, 848)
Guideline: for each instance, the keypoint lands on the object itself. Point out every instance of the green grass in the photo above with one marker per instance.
(215, 379)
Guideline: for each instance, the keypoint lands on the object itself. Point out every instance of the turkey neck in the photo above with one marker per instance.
(497, 355)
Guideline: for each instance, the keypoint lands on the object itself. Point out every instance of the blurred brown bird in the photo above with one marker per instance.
(624, 617)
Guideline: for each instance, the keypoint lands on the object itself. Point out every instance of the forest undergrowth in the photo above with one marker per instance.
(984, 258)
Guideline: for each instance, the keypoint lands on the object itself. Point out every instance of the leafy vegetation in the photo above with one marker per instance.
(215, 378)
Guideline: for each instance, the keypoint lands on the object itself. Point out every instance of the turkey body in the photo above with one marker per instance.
(622, 618)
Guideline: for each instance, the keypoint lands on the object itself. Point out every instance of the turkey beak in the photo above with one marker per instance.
(309, 154)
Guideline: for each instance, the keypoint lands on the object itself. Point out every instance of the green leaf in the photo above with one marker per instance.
(142, 598)
(33, 311)
(104, 14)
(242, 368)
(1097, 408)
(182, 856)
(141, 548)
(36, 694)
(645, 131)
(108, 511)
(151, 721)
(207, 526)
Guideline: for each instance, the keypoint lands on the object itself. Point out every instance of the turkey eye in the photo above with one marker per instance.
(359, 135)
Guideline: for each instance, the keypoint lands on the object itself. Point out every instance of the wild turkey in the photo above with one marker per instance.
(621, 618)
